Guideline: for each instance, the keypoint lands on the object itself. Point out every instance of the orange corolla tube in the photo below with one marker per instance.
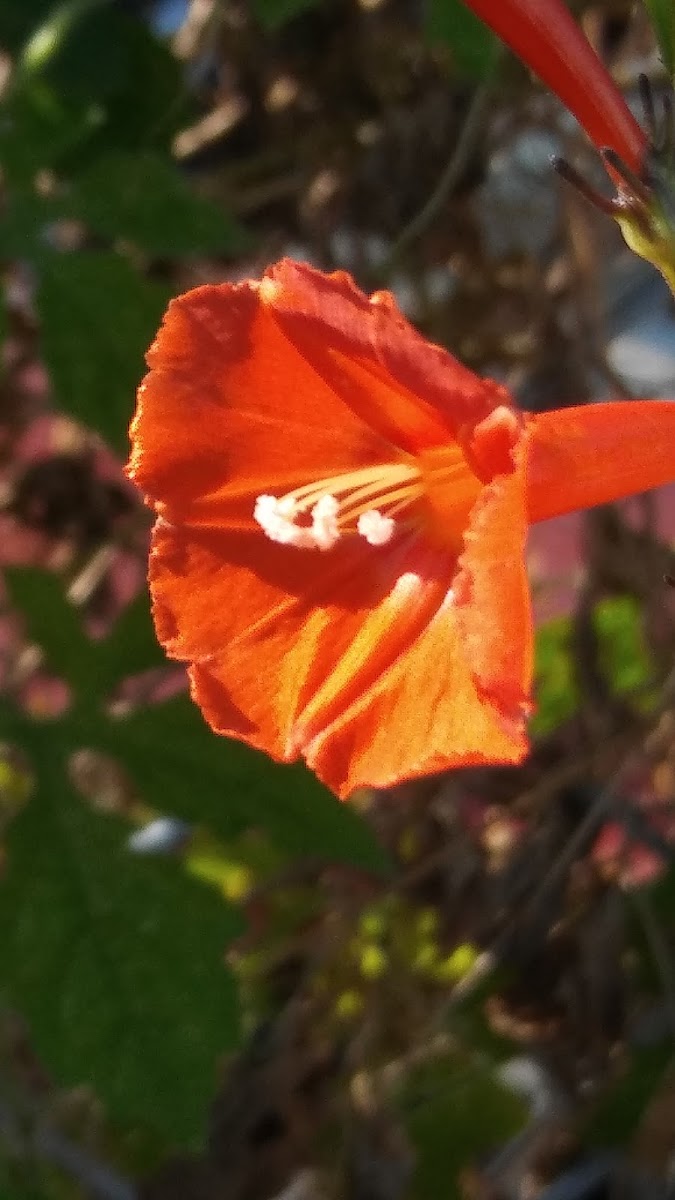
(342, 510)
(545, 36)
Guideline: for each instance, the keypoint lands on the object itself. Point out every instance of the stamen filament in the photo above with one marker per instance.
(365, 501)
(351, 509)
(374, 477)
(397, 508)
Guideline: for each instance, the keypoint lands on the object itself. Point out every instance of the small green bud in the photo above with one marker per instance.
(348, 1005)
(457, 964)
(374, 962)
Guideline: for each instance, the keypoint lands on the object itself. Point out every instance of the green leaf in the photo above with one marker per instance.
(475, 50)
(89, 50)
(457, 1111)
(41, 127)
(17, 21)
(620, 1110)
(57, 37)
(53, 624)
(662, 13)
(129, 952)
(168, 747)
(91, 78)
(115, 962)
(555, 685)
(624, 658)
(91, 668)
(130, 647)
(25, 223)
(145, 199)
(98, 317)
(272, 14)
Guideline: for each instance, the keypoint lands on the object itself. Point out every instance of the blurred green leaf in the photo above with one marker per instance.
(144, 198)
(98, 316)
(53, 624)
(662, 13)
(39, 127)
(624, 658)
(167, 747)
(25, 223)
(456, 1112)
(22, 1181)
(18, 20)
(115, 962)
(91, 668)
(90, 50)
(615, 1118)
(555, 686)
(272, 14)
(475, 50)
(130, 647)
(66, 50)
(91, 78)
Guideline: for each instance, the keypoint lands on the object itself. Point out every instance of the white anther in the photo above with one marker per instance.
(324, 522)
(376, 529)
(277, 518)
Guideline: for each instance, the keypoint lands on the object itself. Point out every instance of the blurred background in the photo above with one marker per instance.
(216, 981)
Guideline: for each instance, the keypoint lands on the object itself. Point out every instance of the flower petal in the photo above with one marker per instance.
(231, 409)
(282, 640)
(412, 391)
(424, 715)
(578, 457)
(545, 36)
(367, 663)
(459, 694)
(493, 592)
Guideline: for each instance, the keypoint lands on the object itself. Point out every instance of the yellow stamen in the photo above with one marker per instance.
(362, 500)
(372, 481)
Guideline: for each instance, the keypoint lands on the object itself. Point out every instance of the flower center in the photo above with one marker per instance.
(372, 500)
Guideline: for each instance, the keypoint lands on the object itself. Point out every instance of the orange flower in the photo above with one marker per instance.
(342, 515)
(544, 35)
